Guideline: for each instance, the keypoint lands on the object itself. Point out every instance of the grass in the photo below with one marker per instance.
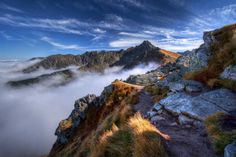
(147, 142)
(219, 136)
(65, 124)
(156, 92)
(115, 130)
(227, 83)
(224, 54)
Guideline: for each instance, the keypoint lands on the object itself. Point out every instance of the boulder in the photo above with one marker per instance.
(200, 106)
(196, 59)
(230, 150)
(189, 86)
(177, 86)
(151, 114)
(229, 73)
(155, 119)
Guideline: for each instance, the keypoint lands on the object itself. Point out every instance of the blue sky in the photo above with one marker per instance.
(30, 28)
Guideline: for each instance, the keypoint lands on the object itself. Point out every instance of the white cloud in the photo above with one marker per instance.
(125, 43)
(98, 30)
(59, 45)
(135, 3)
(179, 45)
(10, 8)
(137, 35)
(69, 26)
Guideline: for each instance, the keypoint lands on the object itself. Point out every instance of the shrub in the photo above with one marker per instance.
(219, 136)
(156, 92)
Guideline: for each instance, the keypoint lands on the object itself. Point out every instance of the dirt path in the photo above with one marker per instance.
(145, 103)
(186, 141)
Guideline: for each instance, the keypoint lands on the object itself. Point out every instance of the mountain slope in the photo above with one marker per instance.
(182, 122)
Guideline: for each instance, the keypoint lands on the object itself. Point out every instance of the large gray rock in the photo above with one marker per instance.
(230, 150)
(185, 85)
(209, 38)
(196, 59)
(229, 73)
(220, 100)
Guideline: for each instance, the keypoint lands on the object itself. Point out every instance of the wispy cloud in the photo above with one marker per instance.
(59, 45)
(125, 42)
(135, 3)
(5, 35)
(214, 18)
(57, 25)
(137, 35)
(10, 8)
(98, 30)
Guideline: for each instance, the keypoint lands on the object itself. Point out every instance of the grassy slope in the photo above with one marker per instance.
(114, 130)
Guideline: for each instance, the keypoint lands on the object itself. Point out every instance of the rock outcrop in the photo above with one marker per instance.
(200, 106)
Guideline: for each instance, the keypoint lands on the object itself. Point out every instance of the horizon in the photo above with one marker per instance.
(40, 28)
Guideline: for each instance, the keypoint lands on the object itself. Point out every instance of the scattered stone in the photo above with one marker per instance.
(177, 87)
(184, 120)
(156, 119)
(173, 124)
(151, 114)
(157, 106)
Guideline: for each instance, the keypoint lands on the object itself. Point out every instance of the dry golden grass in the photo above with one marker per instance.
(170, 54)
(147, 141)
(65, 124)
(114, 130)
(156, 92)
(220, 137)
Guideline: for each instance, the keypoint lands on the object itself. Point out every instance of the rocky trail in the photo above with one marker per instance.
(185, 140)
(145, 103)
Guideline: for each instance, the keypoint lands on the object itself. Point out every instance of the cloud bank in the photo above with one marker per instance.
(30, 115)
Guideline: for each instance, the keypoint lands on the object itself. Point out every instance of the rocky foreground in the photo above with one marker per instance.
(186, 108)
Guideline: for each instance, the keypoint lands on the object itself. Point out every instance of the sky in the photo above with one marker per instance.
(33, 28)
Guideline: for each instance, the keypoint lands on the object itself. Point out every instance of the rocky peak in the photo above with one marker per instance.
(146, 45)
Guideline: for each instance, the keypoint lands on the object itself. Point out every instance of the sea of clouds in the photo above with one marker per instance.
(30, 115)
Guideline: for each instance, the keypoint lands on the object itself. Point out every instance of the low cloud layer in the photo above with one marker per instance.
(30, 115)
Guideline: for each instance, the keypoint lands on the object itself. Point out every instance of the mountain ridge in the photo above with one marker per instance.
(95, 61)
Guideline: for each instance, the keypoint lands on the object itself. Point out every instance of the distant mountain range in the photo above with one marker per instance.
(96, 61)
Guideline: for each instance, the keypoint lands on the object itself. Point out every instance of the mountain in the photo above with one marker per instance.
(97, 62)
(183, 108)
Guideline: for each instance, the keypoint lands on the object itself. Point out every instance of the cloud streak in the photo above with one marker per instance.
(59, 45)
(10, 8)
